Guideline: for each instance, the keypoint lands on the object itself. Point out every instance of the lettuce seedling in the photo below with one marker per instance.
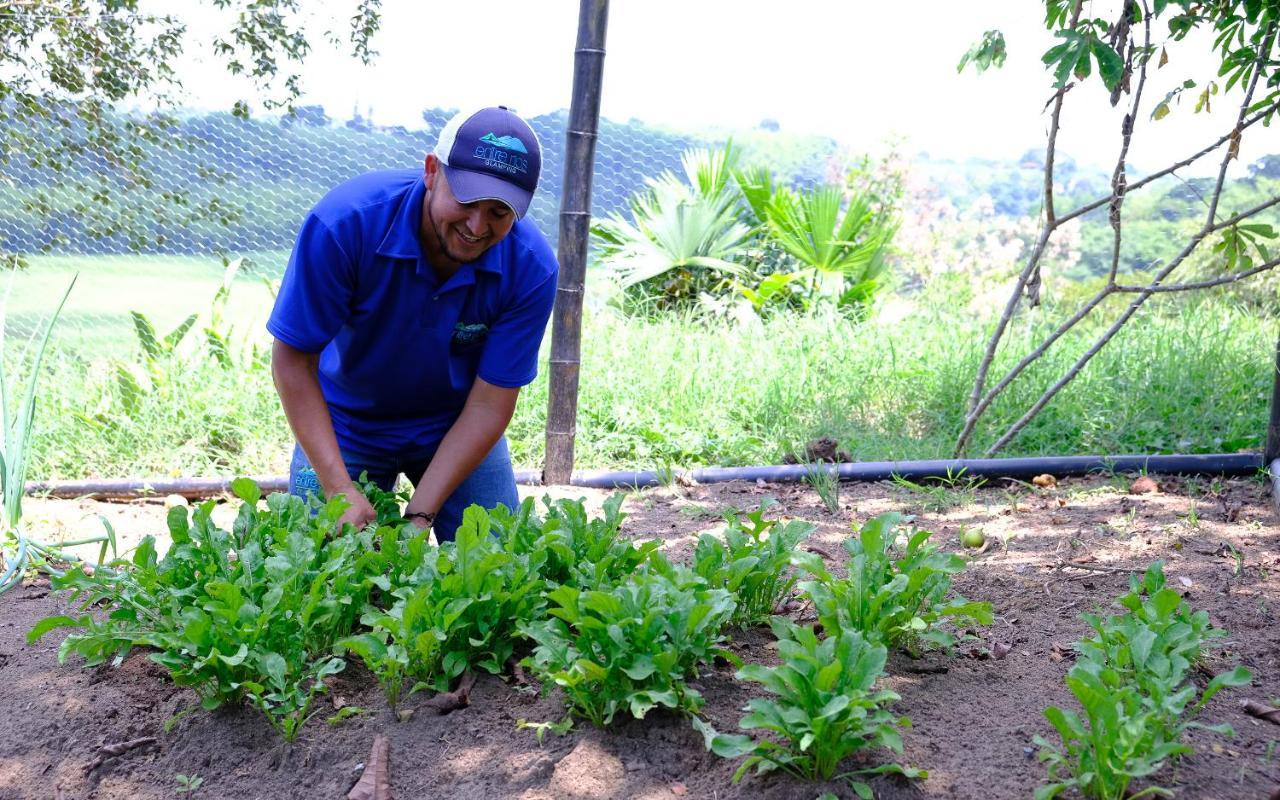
(824, 708)
(752, 561)
(453, 607)
(252, 613)
(1132, 681)
(630, 647)
(573, 549)
(899, 600)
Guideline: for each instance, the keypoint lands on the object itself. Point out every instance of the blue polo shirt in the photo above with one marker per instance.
(399, 350)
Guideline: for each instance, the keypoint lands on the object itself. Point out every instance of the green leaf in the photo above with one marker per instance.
(247, 490)
(50, 623)
(1110, 64)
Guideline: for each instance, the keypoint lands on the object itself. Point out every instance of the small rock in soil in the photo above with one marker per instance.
(1144, 484)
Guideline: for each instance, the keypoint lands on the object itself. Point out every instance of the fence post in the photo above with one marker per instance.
(1271, 453)
(575, 223)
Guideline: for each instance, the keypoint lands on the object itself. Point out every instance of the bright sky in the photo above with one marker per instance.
(855, 70)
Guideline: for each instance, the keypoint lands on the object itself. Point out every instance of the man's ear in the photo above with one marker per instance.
(430, 168)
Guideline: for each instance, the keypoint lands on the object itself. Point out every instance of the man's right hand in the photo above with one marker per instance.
(360, 513)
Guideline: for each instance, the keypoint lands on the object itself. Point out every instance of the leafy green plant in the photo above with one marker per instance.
(842, 253)
(1115, 743)
(631, 647)
(1155, 646)
(898, 599)
(1132, 681)
(188, 784)
(455, 606)
(253, 613)
(575, 549)
(220, 335)
(824, 708)
(752, 561)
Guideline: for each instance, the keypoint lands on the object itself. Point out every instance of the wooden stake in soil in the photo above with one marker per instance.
(375, 781)
(575, 224)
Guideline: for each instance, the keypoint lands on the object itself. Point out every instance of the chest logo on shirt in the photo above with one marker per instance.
(468, 337)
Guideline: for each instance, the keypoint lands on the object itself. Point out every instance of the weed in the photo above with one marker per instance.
(1192, 518)
(826, 482)
(940, 494)
(187, 784)
(540, 729)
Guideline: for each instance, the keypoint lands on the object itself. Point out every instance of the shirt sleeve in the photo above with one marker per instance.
(510, 357)
(315, 296)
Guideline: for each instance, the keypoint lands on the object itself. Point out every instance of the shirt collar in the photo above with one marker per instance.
(401, 239)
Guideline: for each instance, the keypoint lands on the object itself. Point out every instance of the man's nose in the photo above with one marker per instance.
(475, 222)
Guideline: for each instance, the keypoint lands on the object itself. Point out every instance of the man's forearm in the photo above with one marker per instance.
(298, 384)
(467, 443)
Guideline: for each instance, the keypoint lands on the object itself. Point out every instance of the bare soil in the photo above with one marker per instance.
(1053, 553)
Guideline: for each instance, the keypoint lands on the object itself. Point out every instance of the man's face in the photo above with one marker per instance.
(460, 232)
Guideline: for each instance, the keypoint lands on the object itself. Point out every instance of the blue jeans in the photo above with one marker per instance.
(491, 483)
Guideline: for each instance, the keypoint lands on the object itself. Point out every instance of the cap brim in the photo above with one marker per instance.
(472, 187)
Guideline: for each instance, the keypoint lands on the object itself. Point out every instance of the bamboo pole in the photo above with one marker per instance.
(1271, 453)
(575, 223)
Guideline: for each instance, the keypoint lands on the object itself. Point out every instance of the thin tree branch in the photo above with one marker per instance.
(1227, 223)
(1085, 209)
(993, 343)
(1027, 360)
(1187, 287)
(1145, 293)
(1233, 150)
(1033, 261)
(1118, 180)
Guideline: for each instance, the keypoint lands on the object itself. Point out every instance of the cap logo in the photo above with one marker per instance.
(505, 142)
(502, 153)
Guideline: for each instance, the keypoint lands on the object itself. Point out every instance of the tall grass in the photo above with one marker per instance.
(1185, 378)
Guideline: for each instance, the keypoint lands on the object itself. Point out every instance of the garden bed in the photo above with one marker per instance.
(1052, 554)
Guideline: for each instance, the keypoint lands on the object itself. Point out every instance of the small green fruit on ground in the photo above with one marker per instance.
(972, 538)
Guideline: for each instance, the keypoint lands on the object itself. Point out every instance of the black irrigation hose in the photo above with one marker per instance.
(1233, 464)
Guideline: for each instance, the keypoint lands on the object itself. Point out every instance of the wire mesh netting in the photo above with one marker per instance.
(219, 189)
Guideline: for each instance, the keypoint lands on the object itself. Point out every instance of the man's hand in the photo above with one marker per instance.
(360, 513)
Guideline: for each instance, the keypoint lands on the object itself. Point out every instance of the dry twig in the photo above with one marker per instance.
(117, 749)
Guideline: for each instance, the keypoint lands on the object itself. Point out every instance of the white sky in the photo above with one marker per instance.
(856, 70)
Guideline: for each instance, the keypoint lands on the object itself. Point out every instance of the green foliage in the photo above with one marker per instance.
(897, 599)
(684, 228)
(17, 419)
(990, 52)
(1115, 743)
(841, 253)
(1243, 40)
(824, 709)
(571, 548)
(1133, 683)
(250, 613)
(631, 647)
(452, 607)
(752, 561)
(67, 67)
